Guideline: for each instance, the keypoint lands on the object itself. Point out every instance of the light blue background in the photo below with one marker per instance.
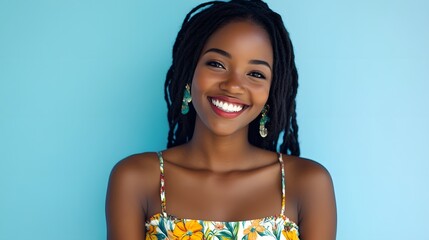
(81, 87)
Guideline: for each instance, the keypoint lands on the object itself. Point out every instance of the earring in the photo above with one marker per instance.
(264, 119)
(186, 99)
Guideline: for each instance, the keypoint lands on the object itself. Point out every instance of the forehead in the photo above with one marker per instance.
(242, 39)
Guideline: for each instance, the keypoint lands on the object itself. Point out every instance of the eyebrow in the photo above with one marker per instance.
(260, 62)
(221, 52)
(226, 54)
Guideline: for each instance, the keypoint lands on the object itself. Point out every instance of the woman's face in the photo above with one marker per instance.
(232, 78)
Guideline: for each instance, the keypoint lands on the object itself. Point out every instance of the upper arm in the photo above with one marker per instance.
(125, 199)
(317, 213)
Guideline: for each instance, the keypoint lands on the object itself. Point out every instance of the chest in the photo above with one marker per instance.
(227, 196)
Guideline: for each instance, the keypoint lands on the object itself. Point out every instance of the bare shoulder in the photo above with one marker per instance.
(138, 170)
(136, 163)
(132, 181)
(308, 174)
(314, 190)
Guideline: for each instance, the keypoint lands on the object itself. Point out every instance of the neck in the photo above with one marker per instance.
(218, 152)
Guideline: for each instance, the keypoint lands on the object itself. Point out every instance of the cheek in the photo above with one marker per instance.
(202, 80)
(267, 90)
(261, 94)
(197, 83)
(200, 84)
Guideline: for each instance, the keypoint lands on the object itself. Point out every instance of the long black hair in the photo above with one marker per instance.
(199, 24)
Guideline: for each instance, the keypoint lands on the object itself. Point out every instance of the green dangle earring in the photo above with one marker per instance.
(264, 119)
(186, 99)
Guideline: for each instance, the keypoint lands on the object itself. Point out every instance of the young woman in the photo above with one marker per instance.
(230, 93)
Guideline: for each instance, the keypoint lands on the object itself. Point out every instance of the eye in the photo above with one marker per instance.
(215, 64)
(257, 75)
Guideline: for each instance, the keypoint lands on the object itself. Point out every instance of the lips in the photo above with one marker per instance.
(226, 107)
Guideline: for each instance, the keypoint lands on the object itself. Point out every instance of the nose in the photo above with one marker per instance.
(233, 84)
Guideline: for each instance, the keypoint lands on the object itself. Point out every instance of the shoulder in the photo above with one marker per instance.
(132, 182)
(138, 171)
(135, 162)
(317, 214)
(308, 175)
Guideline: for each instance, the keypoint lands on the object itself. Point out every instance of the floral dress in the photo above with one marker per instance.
(165, 226)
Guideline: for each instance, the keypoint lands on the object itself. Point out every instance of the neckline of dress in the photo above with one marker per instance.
(174, 218)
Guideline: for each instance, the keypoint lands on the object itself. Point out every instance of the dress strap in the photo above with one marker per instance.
(283, 184)
(162, 187)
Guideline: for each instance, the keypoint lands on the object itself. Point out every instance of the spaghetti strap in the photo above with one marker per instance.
(283, 184)
(162, 186)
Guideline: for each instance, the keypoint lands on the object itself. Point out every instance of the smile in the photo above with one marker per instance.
(225, 106)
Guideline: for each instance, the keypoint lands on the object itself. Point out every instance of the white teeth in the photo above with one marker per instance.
(226, 107)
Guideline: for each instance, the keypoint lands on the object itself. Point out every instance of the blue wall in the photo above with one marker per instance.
(81, 86)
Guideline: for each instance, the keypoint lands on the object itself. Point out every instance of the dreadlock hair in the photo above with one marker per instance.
(199, 24)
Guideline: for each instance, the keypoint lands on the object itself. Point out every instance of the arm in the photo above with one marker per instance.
(317, 207)
(124, 212)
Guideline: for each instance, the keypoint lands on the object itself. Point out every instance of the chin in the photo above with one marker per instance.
(225, 131)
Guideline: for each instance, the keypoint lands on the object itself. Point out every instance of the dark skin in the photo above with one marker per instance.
(218, 175)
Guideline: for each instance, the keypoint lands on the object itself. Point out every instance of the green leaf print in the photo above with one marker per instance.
(235, 232)
(278, 231)
(160, 236)
(277, 234)
(229, 226)
(264, 233)
(161, 226)
(224, 235)
(232, 228)
(208, 234)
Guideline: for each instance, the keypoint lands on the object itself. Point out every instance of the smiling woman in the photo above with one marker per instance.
(230, 93)
(228, 76)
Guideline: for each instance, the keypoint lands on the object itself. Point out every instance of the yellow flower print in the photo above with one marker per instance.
(151, 233)
(253, 230)
(290, 235)
(188, 230)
